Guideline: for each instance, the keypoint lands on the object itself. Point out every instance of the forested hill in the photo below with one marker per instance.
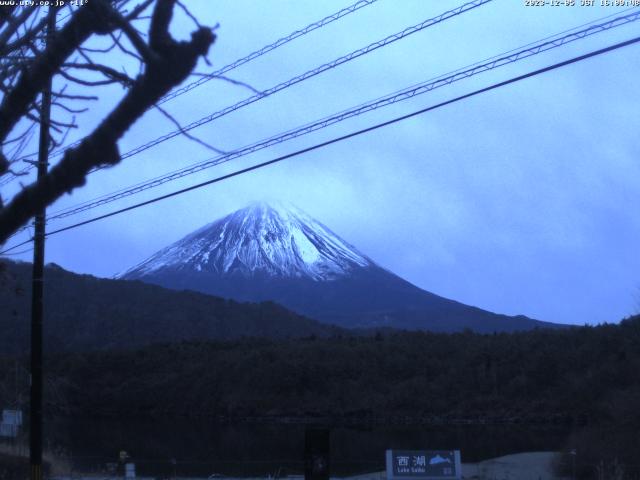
(586, 374)
(83, 313)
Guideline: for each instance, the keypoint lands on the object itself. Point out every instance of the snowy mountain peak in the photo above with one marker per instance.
(274, 239)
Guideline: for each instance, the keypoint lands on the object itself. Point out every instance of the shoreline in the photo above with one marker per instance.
(556, 420)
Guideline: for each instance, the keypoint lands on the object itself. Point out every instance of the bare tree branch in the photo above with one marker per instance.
(74, 97)
(5, 13)
(189, 14)
(138, 10)
(67, 108)
(105, 70)
(86, 83)
(143, 49)
(30, 35)
(87, 20)
(14, 25)
(236, 82)
(170, 64)
(116, 41)
(187, 134)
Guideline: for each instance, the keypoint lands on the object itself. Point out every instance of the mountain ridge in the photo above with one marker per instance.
(85, 313)
(281, 254)
(281, 241)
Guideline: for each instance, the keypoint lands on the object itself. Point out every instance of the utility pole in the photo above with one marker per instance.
(35, 434)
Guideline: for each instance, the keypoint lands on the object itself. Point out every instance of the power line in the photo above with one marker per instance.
(356, 133)
(258, 53)
(8, 179)
(10, 249)
(419, 89)
(341, 138)
(309, 74)
(305, 76)
(21, 252)
(231, 66)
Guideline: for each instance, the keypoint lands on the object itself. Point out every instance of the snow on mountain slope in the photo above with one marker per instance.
(278, 253)
(271, 239)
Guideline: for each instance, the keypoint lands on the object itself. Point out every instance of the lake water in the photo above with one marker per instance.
(201, 448)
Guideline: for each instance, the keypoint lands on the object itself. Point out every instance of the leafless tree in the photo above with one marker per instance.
(28, 62)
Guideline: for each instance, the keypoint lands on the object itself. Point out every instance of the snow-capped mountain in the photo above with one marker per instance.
(276, 240)
(278, 253)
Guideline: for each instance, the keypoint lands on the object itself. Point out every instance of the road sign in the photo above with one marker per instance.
(129, 470)
(423, 465)
(10, 423)
(8, 430)
(12, 417)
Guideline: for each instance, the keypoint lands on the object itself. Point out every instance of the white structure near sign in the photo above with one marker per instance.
(12, 417)
(7, 430)
(11, 422)
(423, 465)
(129, 470)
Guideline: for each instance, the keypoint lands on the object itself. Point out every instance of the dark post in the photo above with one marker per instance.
(317, 449)
(35, 435)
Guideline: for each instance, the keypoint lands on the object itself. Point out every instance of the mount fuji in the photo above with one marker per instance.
(279, 253)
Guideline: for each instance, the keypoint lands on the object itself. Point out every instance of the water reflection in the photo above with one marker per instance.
(196, 447)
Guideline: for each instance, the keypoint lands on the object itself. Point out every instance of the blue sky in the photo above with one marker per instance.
(519, 201)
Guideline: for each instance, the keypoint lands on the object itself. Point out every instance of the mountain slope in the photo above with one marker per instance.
(279, 242)
(277, 253)
(86, 313)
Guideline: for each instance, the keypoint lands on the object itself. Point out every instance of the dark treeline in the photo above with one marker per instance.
(580, 375)
(86, 313)
(584, 376)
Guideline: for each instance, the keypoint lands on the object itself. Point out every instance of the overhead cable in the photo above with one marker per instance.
(231, 66)
(405, 94)
(309, 74)
(351, 135)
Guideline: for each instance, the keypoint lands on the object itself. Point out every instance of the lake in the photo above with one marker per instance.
(200, 447)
